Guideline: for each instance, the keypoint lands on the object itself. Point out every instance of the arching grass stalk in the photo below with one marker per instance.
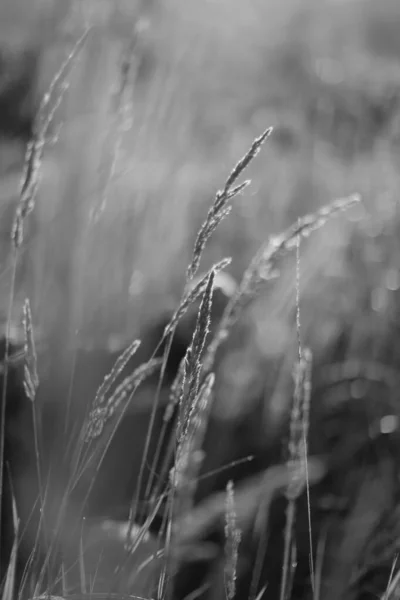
(263, 267)
(218, 211)
(194, 408)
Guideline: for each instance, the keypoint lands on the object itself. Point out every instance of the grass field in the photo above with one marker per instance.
(153, 107)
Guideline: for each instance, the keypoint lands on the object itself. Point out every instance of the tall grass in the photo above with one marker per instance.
(191, 400)
(28, 191)
(188, 409)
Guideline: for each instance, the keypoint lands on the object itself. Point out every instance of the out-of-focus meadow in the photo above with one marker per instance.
(203, 79)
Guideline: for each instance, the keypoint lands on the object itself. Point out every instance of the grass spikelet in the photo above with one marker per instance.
(31, 378)
(188, 458)
(244, 162)
(98, 419)
(60, 76)
(263, 267)
(232, 541)
(309, 223)
(175, 391)
(185, 388)
(103, 411)
(190, 421)
(194, 356)
(219, 209)
(35, 148)
(119, 365)
(175, 399)
(184, 475)
(194, 293)
(212, 221)
(237, 189)
(195, 288)
(228, 286)
(31, 384)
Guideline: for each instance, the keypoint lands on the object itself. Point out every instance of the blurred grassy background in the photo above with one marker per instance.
(204, 79)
